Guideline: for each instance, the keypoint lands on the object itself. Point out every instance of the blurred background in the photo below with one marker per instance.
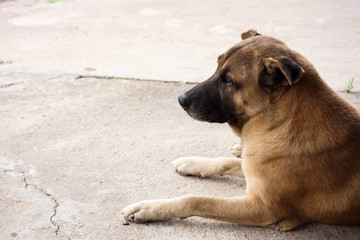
(172, 40)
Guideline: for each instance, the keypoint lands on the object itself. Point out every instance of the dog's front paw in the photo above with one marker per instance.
(144, 211)
(192, 166)
(236, 150)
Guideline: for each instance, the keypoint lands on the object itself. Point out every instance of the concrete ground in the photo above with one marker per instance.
(81, 138)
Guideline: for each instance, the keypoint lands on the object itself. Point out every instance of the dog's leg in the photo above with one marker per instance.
(203, 167)
(244, 210)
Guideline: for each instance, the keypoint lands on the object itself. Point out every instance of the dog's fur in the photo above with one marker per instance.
(301, 143)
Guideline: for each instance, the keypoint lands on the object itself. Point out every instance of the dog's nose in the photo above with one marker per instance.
(184, 102)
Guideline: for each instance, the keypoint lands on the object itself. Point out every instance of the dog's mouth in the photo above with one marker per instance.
(204, 102)
(207, 113)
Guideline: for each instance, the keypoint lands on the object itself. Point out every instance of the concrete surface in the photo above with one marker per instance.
(75, 150)
(172, 40)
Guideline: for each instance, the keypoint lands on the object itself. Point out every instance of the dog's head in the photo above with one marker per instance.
(248, 76)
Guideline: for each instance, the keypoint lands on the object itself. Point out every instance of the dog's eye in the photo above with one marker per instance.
(228, 81)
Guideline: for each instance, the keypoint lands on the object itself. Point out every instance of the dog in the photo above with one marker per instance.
(300, 143)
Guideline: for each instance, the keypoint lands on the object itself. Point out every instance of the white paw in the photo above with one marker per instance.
(236, 150)
(144, 211)
(192, 166)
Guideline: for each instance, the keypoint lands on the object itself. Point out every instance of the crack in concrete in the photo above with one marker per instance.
(131, 79)
(10, 84)
(56, 204)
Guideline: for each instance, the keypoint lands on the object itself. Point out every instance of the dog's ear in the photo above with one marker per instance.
(275, 70)
(248, 34)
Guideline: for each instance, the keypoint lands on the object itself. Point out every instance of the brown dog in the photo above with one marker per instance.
(301, 143)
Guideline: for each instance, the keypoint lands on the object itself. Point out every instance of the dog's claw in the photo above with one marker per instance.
(182, 174)
(129, 218)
